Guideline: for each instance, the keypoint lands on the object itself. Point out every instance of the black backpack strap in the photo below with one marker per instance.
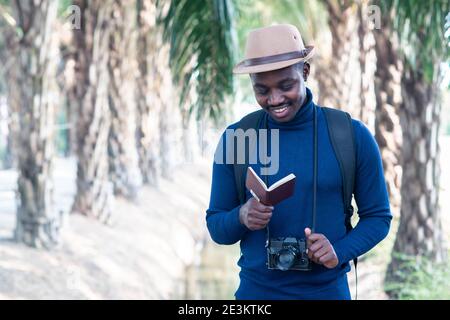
(252, 120)
(342, 137)
(340, 130)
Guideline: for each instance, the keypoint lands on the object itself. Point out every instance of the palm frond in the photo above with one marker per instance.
(202, 52)
(421, 28)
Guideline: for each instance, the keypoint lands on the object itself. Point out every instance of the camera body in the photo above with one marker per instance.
(288, 253)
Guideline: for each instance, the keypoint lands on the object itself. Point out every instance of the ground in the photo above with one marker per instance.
(143, 255)
(157, 248)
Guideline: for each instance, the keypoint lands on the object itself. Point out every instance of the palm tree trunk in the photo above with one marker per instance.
(170, 122)
(158, 131)
(388, 99)
(169, 119)
(191, 141)
(67, 87)
(420, 230)
(8, 45)
(367, 63)
(8, 160)
(148, 107)
(34, 100)
(94, 191)
(122, 66)
(336, 88)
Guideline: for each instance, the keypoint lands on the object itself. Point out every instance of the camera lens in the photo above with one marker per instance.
(285, 259)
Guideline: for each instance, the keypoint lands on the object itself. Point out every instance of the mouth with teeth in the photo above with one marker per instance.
(281, 111)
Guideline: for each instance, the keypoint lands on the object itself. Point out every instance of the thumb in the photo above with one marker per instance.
(307, 232)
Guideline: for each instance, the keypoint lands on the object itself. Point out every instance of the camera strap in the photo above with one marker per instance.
(315, 143)
(315, 147)
(266, 177)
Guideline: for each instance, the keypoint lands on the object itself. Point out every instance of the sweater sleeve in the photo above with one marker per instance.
(371, 197)
(222, 216)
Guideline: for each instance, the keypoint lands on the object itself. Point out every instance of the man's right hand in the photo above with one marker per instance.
(255, 215)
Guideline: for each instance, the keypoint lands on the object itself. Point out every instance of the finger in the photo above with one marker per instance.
(257, 226)
(261, 215)
(326, 257)
(317, 245)
(254, 203)
(252, 225)
(256, 220)
(321, 252)
(331, 261)
(308, 245)
(308, 242)
(263, 208)
(310, 255)
(307, 232)
(316, 236)
(264, 213)
(254, 228)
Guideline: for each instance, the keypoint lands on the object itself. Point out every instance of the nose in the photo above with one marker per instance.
(275, 98)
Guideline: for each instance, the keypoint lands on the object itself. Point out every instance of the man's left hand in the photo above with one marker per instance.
(320, 249)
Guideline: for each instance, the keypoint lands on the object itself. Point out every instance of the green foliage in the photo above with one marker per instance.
(420, 279)
(421, 26)
(202, 51)
(62, 7)
(309, 17)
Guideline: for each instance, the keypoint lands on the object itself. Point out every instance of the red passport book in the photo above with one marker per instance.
(270, 196)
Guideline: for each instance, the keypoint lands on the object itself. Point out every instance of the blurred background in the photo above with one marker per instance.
(110, 112)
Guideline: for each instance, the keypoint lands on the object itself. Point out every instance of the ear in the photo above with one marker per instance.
(306, 68)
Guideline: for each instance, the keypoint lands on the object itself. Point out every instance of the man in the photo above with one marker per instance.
(276, 60)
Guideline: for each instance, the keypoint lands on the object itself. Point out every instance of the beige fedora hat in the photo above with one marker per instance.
(272, 48)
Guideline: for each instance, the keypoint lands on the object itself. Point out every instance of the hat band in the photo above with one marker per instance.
(275, 58)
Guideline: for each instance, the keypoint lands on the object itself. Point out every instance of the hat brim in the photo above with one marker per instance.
(241, 68)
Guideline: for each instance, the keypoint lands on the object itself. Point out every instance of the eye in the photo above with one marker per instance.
(261, 91)
(286, 87)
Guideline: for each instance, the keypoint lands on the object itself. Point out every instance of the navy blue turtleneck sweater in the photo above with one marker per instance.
(291, 216)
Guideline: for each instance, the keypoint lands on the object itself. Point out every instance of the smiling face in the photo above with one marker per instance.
(281, 92)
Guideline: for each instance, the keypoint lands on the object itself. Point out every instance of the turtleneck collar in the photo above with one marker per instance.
(304, 115)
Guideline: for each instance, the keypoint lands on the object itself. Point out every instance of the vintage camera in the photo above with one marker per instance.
(288, 254)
